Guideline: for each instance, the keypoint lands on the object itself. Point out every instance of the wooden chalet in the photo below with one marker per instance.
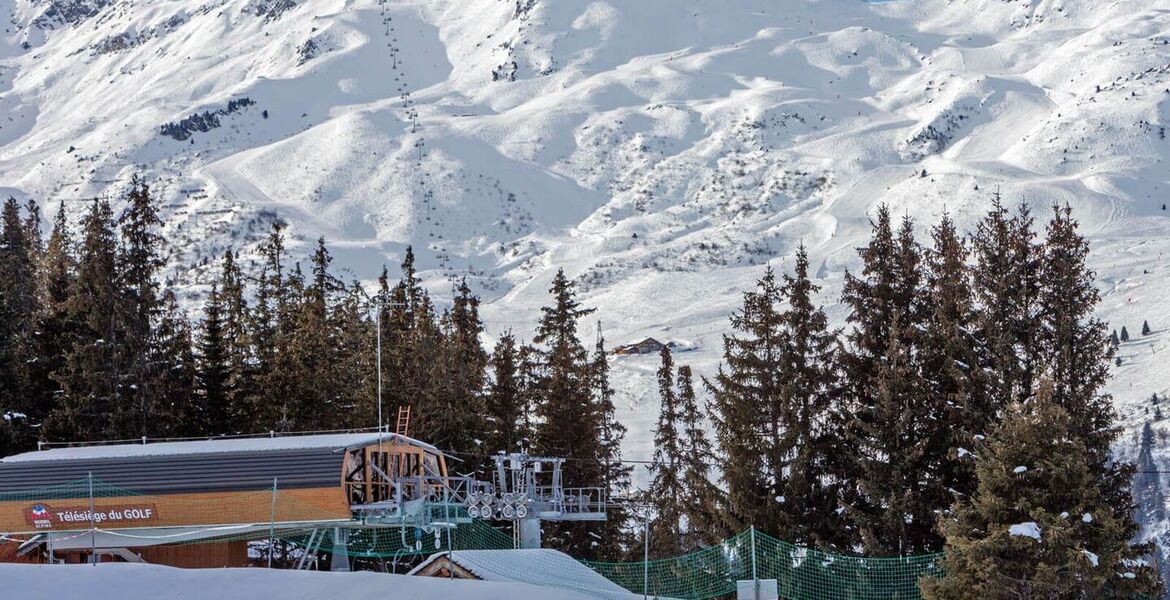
(646, 346)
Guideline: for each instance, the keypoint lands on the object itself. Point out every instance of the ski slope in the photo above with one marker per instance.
(660, 151)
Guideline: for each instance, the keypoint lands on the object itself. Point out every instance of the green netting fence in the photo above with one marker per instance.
(800, 573)
(712, 572)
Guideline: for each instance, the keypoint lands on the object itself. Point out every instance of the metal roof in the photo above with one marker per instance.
(216, 465)
(543, 566)
(331, 441)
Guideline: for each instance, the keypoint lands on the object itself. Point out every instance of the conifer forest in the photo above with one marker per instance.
(963, 393)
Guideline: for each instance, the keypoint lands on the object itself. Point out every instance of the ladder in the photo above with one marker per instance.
(403, 421)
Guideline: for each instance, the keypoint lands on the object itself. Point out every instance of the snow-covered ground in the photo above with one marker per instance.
(661, 151)
(122, 581)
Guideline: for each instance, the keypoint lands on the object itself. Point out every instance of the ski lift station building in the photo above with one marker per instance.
(148, 501)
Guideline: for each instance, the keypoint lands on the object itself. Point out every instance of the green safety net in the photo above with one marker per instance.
(712, 572)
(800, 573)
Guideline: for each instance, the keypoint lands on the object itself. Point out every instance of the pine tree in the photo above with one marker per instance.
(18, 309)
(239, 386)
(462, 363)
(1038, 526)
(884, 411)
(269, 334)
(568, 423)
(355, 350)
(1124, 334)
(745, 395)
(958, 395)
(214, 411)
(312, 361)
(1074, 346)
(1005, 282)
(506, 408)
(55, 329)
(1146, 328)
(140, 259)
(173, 410)
(410, 340)
(702, 501)
(666, 492)
(615, 531)
(91, 377)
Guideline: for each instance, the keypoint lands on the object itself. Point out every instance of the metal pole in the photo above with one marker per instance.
(92, 524)
(646, 555)
(272, 526)
(450, 526)
(755, 580)
(378, 326)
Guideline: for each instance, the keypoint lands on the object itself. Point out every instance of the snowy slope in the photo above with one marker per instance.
(153, 582)
(661, 151)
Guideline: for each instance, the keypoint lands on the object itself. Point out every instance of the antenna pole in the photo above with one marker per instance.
(378, 326)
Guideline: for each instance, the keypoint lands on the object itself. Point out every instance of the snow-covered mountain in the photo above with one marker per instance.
(661, 151)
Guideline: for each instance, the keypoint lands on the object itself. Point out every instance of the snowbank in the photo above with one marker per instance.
(153, 582)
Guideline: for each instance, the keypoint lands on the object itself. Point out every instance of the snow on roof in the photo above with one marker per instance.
(334, 441)
(545, 567)
(150, 582)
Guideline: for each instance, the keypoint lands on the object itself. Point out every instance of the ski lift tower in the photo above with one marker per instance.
(528, 490)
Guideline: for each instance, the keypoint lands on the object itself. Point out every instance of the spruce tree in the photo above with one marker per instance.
(214, 414)
(140, 259)
(1038, 525)
(746, 394)
(173, 409)
(875, 305)
(239, 386)
(615, 531)
(1074, 347)
(666, 492)
(312, 361)
(1124, 334)
(957, 387)
(18, 308)
(505, 408)
(1005, 282)
(269, 334)
(773, 412)
(454, 417)
(1146, 328)
(356, 372)
(808, 513)
(92, 397)
(702, 501)
(55, 329)
(411, 340)
(884, 408)
(568, 422)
